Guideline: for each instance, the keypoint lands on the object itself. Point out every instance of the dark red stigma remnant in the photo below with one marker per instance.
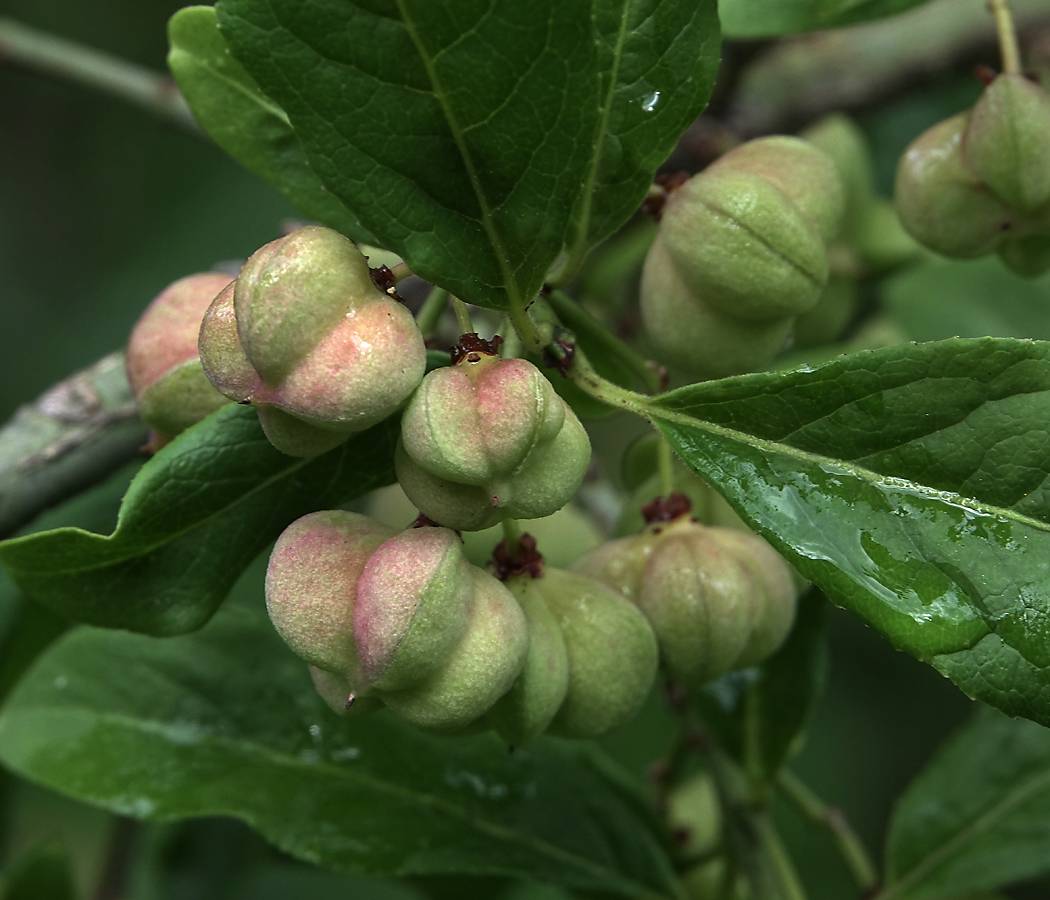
(384, 279)
(423, 521)
(559, 353)
(654, 206)
(985, 74)
(667, 509)
(470, 344)
(527, 561)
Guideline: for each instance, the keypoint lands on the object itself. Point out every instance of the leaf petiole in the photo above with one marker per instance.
(846, 840)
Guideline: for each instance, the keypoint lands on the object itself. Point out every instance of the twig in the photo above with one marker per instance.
(849, 845)
(74, 435)
(43, 52)
(1004, 28)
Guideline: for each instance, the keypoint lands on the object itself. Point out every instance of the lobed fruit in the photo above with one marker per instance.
(163, 365)
(309, 339)
(486, 439)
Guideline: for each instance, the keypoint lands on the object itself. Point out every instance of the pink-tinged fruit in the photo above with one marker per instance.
(486, 439)
(308, 334)
(163, 366)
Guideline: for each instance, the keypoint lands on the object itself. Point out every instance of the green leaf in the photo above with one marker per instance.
(975, 817)
(44, 873)
(910, 484)
(193, 518)
(771, 18)
(943, 298)
(247, 124)
(226, 721)
(657, 61)
(760, 715)
(477, 139)
(458, 133)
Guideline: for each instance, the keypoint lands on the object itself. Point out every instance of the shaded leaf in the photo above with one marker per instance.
(226, 721)
(44, 873)
(976, 816)
(910, 484)
(771, 18)
(247, 124)
(193, 518)
(944, 298)
(657, 62)
(760, 715)
(476, 140)
(458, 133)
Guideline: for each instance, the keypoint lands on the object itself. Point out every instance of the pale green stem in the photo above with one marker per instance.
(512, 347)
(590, 382)
(848, 844)
(431, 310)
(511, 534)
(400, 271)
(568, 310)
(526, 328)
(462, 316)
(776, 853)
(57, 56)
(665, 464)
(1004, 26)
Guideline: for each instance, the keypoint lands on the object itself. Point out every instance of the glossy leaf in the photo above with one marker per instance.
(770, 18)
(760, 715)
(975, 817)
(657, 62)
(226, 721)
(193, 518)
(910, 485)
(252, 128)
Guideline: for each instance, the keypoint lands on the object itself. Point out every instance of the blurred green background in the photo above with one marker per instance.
(102, 205)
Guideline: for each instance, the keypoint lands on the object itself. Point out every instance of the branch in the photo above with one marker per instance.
(43, 52)
(802, 78)
(73, 436)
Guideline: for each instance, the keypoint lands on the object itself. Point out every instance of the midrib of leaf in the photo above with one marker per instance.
(979, 825)
(255, 97)
(283, 760)
(874, 478)
(574, 256)
(509, 282)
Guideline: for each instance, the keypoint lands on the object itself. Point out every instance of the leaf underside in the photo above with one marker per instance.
(910, 484)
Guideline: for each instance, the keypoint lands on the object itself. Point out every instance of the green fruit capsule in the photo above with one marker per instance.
(163, 365)
(1028, 255)
(526, 710)
(1007, 141)
(801, 171)
(718, 599)
(743, 247)
(690, 334)
(481, 669)
(611, 649)
(414, 602)
(312, 342)
(942, 203)
(311, 587)
(486, 439)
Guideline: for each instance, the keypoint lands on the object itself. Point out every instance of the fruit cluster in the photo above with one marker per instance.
(307, 336)
(979, 182)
